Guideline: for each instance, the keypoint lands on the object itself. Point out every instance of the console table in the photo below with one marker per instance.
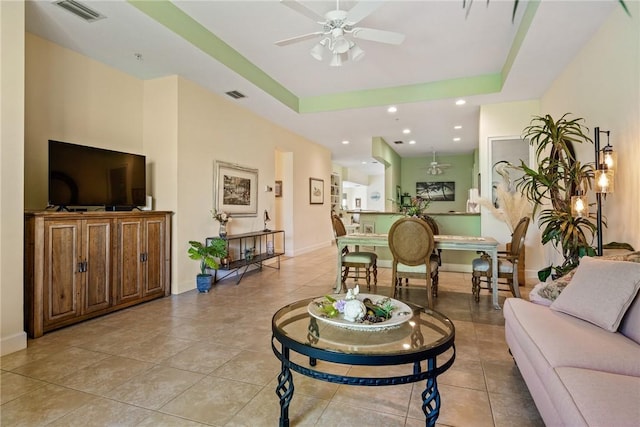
(247, 249)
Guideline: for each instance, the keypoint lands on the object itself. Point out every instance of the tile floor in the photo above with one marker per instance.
(205, 359)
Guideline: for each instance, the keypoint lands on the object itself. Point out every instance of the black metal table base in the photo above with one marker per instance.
(430, 396)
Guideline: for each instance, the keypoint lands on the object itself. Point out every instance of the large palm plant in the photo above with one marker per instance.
(559, 175)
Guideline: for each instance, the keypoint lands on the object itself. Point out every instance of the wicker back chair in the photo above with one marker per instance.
(411, 244)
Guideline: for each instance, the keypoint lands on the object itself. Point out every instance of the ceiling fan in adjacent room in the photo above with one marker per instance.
(336, 26)
(436, 168)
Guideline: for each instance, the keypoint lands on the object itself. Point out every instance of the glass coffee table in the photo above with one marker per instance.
(425, 335)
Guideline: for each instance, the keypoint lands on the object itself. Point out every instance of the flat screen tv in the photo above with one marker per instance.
(89, 176)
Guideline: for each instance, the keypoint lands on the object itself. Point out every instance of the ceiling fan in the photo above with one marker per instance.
(436, 168)
(336, 25)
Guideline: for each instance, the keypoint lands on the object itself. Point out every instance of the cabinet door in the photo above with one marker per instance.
(153, 265)
(129, 283)
(96, 238)
(62, 271)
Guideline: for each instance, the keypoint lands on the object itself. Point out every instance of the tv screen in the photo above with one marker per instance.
(88, 176)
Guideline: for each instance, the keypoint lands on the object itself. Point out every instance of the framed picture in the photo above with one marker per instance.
(278, 189)
(316, 191)
(236, 189)
(368, 227)
(358, 203)
(442, 191)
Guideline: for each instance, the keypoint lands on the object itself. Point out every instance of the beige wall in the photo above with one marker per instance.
(498, 121)
(182, 129)
(12, 335)
(602, 85)
(73, 99)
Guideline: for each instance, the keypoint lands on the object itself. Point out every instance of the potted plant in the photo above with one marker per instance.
(209, 256)
(559, 175)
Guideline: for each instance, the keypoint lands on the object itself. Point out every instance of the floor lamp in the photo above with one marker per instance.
(603, 178)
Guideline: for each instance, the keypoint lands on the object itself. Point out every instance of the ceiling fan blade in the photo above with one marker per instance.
(303, 10)
(361, 10)
(297, 39)
(381, 36)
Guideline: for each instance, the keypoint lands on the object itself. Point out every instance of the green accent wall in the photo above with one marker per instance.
(414, 169)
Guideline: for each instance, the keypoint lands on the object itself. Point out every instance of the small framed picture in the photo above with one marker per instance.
(368, 227)
(316, 191)
(358, 203)
(278, 189)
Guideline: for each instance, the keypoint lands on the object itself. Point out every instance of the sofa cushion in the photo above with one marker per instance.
(547, 292)
(630, 326)
(600, 291)
(601, 398)
(554, 339)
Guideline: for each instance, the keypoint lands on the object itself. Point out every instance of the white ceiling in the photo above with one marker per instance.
(442, 42)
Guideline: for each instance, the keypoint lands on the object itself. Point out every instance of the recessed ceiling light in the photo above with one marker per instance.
(412, 142)
(345, 142)
(406, 131)
(364, 163)
(392, 109)
(457, 127)
(456, 139)
(461, 102)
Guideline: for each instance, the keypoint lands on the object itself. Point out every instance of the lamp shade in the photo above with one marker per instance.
(340, 45)
(608, 158)
(336, 60)
(604, 181)
(579, 206)
(355, 53)
(317, 51)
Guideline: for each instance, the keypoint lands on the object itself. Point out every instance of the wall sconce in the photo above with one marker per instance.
(604, 179)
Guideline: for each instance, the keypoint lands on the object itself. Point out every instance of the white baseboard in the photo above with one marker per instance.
(13, 343)
(308, 249)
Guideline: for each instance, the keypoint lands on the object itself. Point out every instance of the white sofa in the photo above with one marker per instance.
(578, 374)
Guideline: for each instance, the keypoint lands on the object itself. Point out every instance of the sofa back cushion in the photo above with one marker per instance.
(630, 326)
(600, 292)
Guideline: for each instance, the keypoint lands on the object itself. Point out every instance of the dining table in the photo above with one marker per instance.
(442, 241)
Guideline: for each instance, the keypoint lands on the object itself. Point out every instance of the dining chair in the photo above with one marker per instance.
(507, 264)
(354, 262)
(436, 255)
(411, 244)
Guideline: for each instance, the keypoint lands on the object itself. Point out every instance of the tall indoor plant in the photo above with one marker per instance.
(209, 256)
(558, 176)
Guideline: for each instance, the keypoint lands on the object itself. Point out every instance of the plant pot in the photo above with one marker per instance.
(203, 282)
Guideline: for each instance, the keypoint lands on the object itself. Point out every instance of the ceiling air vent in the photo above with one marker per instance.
(235, 94)
(398, 142)
(80, 10)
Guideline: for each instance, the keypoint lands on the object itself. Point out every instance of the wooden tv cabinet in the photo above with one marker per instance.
(80, 265)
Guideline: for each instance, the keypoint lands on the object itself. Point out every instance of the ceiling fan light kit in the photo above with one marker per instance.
(335, 26)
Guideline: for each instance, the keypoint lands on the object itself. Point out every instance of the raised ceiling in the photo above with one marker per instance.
(480, 55)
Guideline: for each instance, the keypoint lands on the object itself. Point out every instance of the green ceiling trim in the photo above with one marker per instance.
(172, 17)
(523, 29)
(443, 89)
